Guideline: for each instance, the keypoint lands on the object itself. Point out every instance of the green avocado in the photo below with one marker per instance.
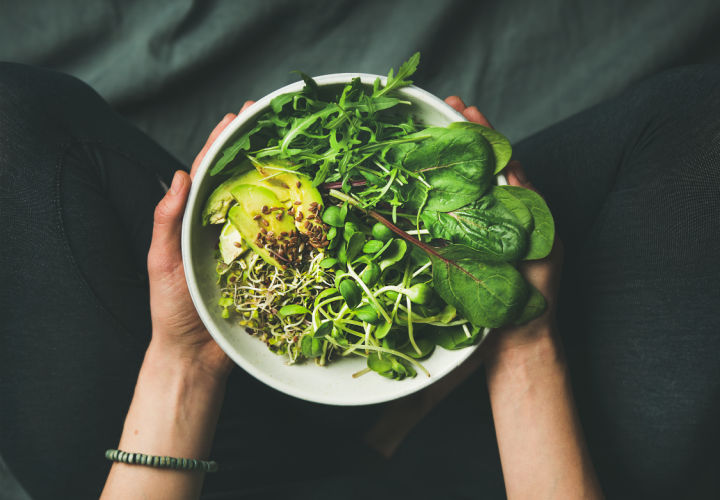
(304, 203)
(218, 204)
(294, 191)
(263, 224)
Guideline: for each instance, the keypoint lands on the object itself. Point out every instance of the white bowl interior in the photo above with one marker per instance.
(332, 384)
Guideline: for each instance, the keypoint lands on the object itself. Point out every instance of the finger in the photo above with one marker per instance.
(211, 138)
(246, 106)
(474, 115)
(165, 255)
(516, 175)
(456, 103)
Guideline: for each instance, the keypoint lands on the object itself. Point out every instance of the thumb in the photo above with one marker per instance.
(165, 255)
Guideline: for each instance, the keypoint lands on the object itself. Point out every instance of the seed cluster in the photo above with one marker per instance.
(289, 248)
(316, 229)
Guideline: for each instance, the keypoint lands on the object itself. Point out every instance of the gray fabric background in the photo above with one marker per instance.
(175, 67)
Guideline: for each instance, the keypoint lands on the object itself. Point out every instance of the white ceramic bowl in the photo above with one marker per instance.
(332, 384)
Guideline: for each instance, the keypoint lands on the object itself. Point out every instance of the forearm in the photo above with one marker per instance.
(541, 443)
(173, 412)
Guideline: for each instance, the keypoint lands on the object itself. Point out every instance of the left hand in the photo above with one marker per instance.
(178, 331)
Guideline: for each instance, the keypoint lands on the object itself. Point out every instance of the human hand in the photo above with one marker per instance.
(178, 332)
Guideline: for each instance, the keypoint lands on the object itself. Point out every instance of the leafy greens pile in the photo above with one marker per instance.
(401, 241)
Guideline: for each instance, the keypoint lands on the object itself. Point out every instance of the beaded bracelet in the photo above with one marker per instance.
(161, 462)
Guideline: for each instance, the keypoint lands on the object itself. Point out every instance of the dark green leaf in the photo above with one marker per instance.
(370, 274)
(381, 232)
(367, 313)
(500, 145)
(514, 205)
(486, 226)
(355, 245)
(425, 345)
(372, 246)
(332, 215)
(543, 234)
(328, 262)
(325, 328)
(454, 337)
(382, 330)
(378, 364)
(487, 293)
(311, 347)
(394, 253)
(350, 292)
(458, 164)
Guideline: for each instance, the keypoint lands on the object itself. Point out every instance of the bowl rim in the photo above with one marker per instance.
(413, 92)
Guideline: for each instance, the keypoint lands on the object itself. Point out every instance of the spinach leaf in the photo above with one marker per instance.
(543, 233)
(500, 145)
(485, 225)
(534, 307)
(487, 293)
(457, 165)
(515, 206)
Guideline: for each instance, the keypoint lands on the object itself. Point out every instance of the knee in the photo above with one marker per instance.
(28, 90)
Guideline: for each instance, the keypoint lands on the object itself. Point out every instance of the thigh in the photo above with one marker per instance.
(635, 187)
(77, 190)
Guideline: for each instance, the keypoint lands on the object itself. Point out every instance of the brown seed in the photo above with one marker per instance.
(279, 216)
(298, 203)
(311, 216)
(307, 224)
(265, 222)
(291, 210)
(263, 231)
(298, 184)
(237, 244)
(265, 209)
(257, 217)
(299, 216)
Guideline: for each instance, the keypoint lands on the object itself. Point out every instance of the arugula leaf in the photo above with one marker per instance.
(398, 81)
(543, 233)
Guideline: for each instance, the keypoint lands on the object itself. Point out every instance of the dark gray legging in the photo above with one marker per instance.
(634, 184)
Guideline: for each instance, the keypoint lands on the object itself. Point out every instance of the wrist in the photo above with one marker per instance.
(174, 408)
(204, 363)
(533, 343)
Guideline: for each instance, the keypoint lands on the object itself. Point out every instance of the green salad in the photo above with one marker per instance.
(350, 228)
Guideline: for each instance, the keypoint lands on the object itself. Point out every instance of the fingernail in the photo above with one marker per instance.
(177, 183)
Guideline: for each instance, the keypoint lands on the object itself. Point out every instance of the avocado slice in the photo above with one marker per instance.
(304, 203)
(231, 243)
(261, 220)
(218, 203)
